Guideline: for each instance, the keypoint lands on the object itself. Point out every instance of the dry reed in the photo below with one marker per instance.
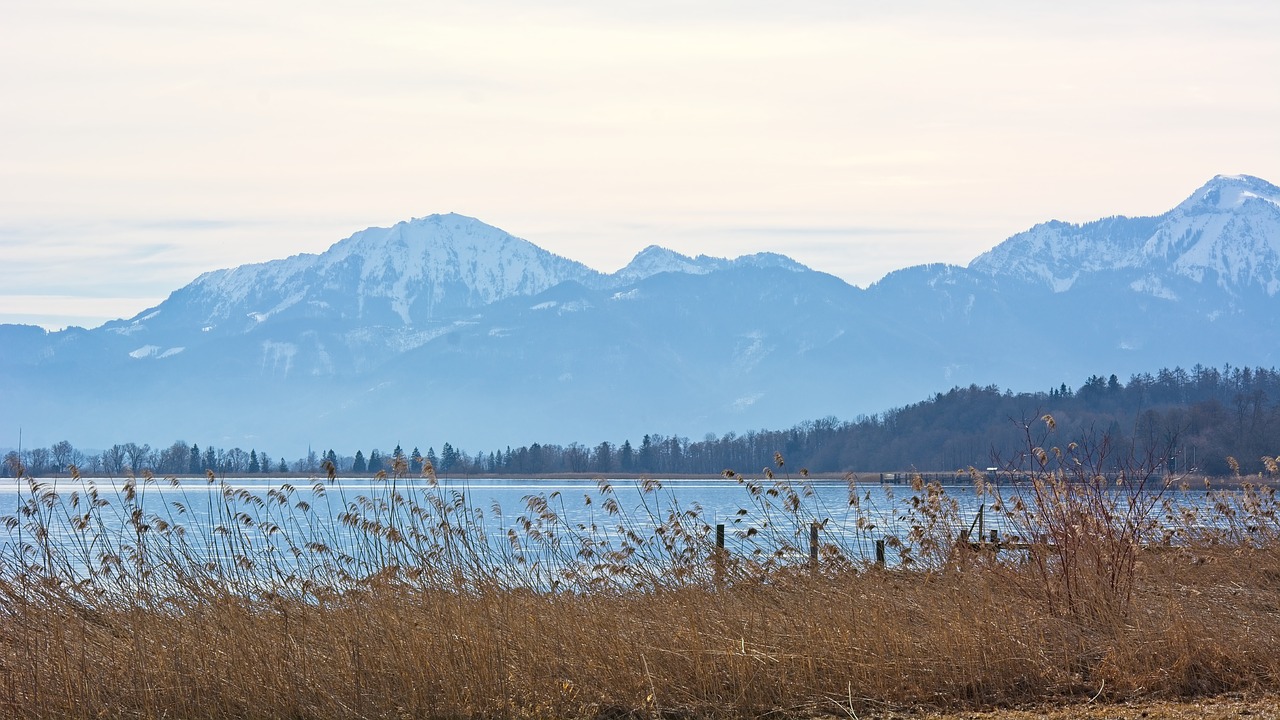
(410, 602)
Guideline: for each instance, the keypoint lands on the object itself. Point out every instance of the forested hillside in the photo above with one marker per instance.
(1205, 414)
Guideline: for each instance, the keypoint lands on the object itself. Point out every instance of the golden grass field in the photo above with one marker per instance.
(417, 611)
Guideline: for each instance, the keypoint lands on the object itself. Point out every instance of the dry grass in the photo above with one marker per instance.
(417, 612)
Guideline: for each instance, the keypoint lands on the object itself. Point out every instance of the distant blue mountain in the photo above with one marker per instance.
(444, 329)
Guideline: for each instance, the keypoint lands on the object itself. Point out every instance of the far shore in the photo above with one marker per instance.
(901, 477)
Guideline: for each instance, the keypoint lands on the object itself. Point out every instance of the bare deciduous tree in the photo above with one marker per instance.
(61, 454)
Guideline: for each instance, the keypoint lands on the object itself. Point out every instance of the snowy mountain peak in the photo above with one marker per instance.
(1229, 192)
(771, 260)
(403, 274)
(1225, 235)
(654, 260)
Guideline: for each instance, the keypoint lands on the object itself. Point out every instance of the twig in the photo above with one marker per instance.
(653, 692)
(1099, 693)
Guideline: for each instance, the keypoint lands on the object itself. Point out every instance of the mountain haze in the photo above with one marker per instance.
(445, 329)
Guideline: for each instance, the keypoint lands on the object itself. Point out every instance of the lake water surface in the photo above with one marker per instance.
(277, 516)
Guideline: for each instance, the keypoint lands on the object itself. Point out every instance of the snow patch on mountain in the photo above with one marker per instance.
(277, 358)
(562, 308)
(1153, 286)
(126, 330)
(154, 351)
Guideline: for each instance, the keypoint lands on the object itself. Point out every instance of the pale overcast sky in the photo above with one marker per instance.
(143, 142)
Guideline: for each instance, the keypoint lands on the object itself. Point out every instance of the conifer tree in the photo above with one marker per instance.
(448, 457)
(626, 457)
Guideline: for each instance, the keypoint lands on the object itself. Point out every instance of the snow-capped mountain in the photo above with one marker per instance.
(654, 259)
(1226, 236)
(446, 329)
(410, 273)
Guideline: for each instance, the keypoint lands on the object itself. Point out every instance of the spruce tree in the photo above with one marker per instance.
(359, 466)
(448, 457)
(626, 457)
(648, 454)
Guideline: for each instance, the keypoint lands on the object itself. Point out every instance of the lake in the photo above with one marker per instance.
(354, 526)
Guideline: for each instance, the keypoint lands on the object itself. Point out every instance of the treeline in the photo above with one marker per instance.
(177, 459)
(1201, 417)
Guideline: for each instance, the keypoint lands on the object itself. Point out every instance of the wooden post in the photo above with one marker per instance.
(880, 552)
(813, 546)
(995, 536)
(718, 568)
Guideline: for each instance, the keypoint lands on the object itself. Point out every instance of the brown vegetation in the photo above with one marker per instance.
(413, 607)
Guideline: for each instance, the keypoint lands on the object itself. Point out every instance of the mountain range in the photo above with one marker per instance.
(445, 329)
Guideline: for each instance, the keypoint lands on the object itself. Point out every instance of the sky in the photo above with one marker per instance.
(143, 142)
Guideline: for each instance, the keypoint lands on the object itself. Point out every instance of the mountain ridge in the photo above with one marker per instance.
(446, 325)
(1228, 231)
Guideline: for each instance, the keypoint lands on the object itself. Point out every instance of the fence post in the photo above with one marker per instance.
(880, 552)
(813, 546)
(718, 567)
